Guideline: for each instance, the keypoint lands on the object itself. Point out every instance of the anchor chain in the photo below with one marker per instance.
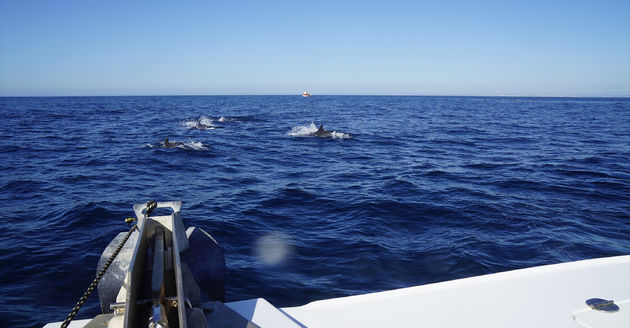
(151, 205)
(94, 283)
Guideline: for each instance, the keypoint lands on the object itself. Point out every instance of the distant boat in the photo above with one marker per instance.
(306, 94)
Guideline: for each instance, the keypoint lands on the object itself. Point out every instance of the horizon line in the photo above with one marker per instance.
(299, 95)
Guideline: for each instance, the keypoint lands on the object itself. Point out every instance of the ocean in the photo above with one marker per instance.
(407, 190)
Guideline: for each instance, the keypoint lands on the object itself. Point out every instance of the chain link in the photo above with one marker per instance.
(94, 283)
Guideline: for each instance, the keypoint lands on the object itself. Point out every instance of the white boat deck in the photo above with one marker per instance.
(546, 296)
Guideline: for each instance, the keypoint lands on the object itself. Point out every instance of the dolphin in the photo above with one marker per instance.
(321, 132)
(168, 144)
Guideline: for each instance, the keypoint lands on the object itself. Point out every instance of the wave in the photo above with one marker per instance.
(301, 131)
(309, 130)
(207, 123)
(202, 123)
(188, 145)
(224, 119)
(192, 145)
(340, 135)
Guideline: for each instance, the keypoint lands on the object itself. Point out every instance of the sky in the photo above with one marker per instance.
(515, 48)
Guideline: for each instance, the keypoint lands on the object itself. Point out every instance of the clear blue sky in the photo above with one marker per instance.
(544, 48)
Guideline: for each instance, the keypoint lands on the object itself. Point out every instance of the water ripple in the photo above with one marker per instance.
(426, 189)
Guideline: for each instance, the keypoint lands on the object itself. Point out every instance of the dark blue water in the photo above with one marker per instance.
(414, 189)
